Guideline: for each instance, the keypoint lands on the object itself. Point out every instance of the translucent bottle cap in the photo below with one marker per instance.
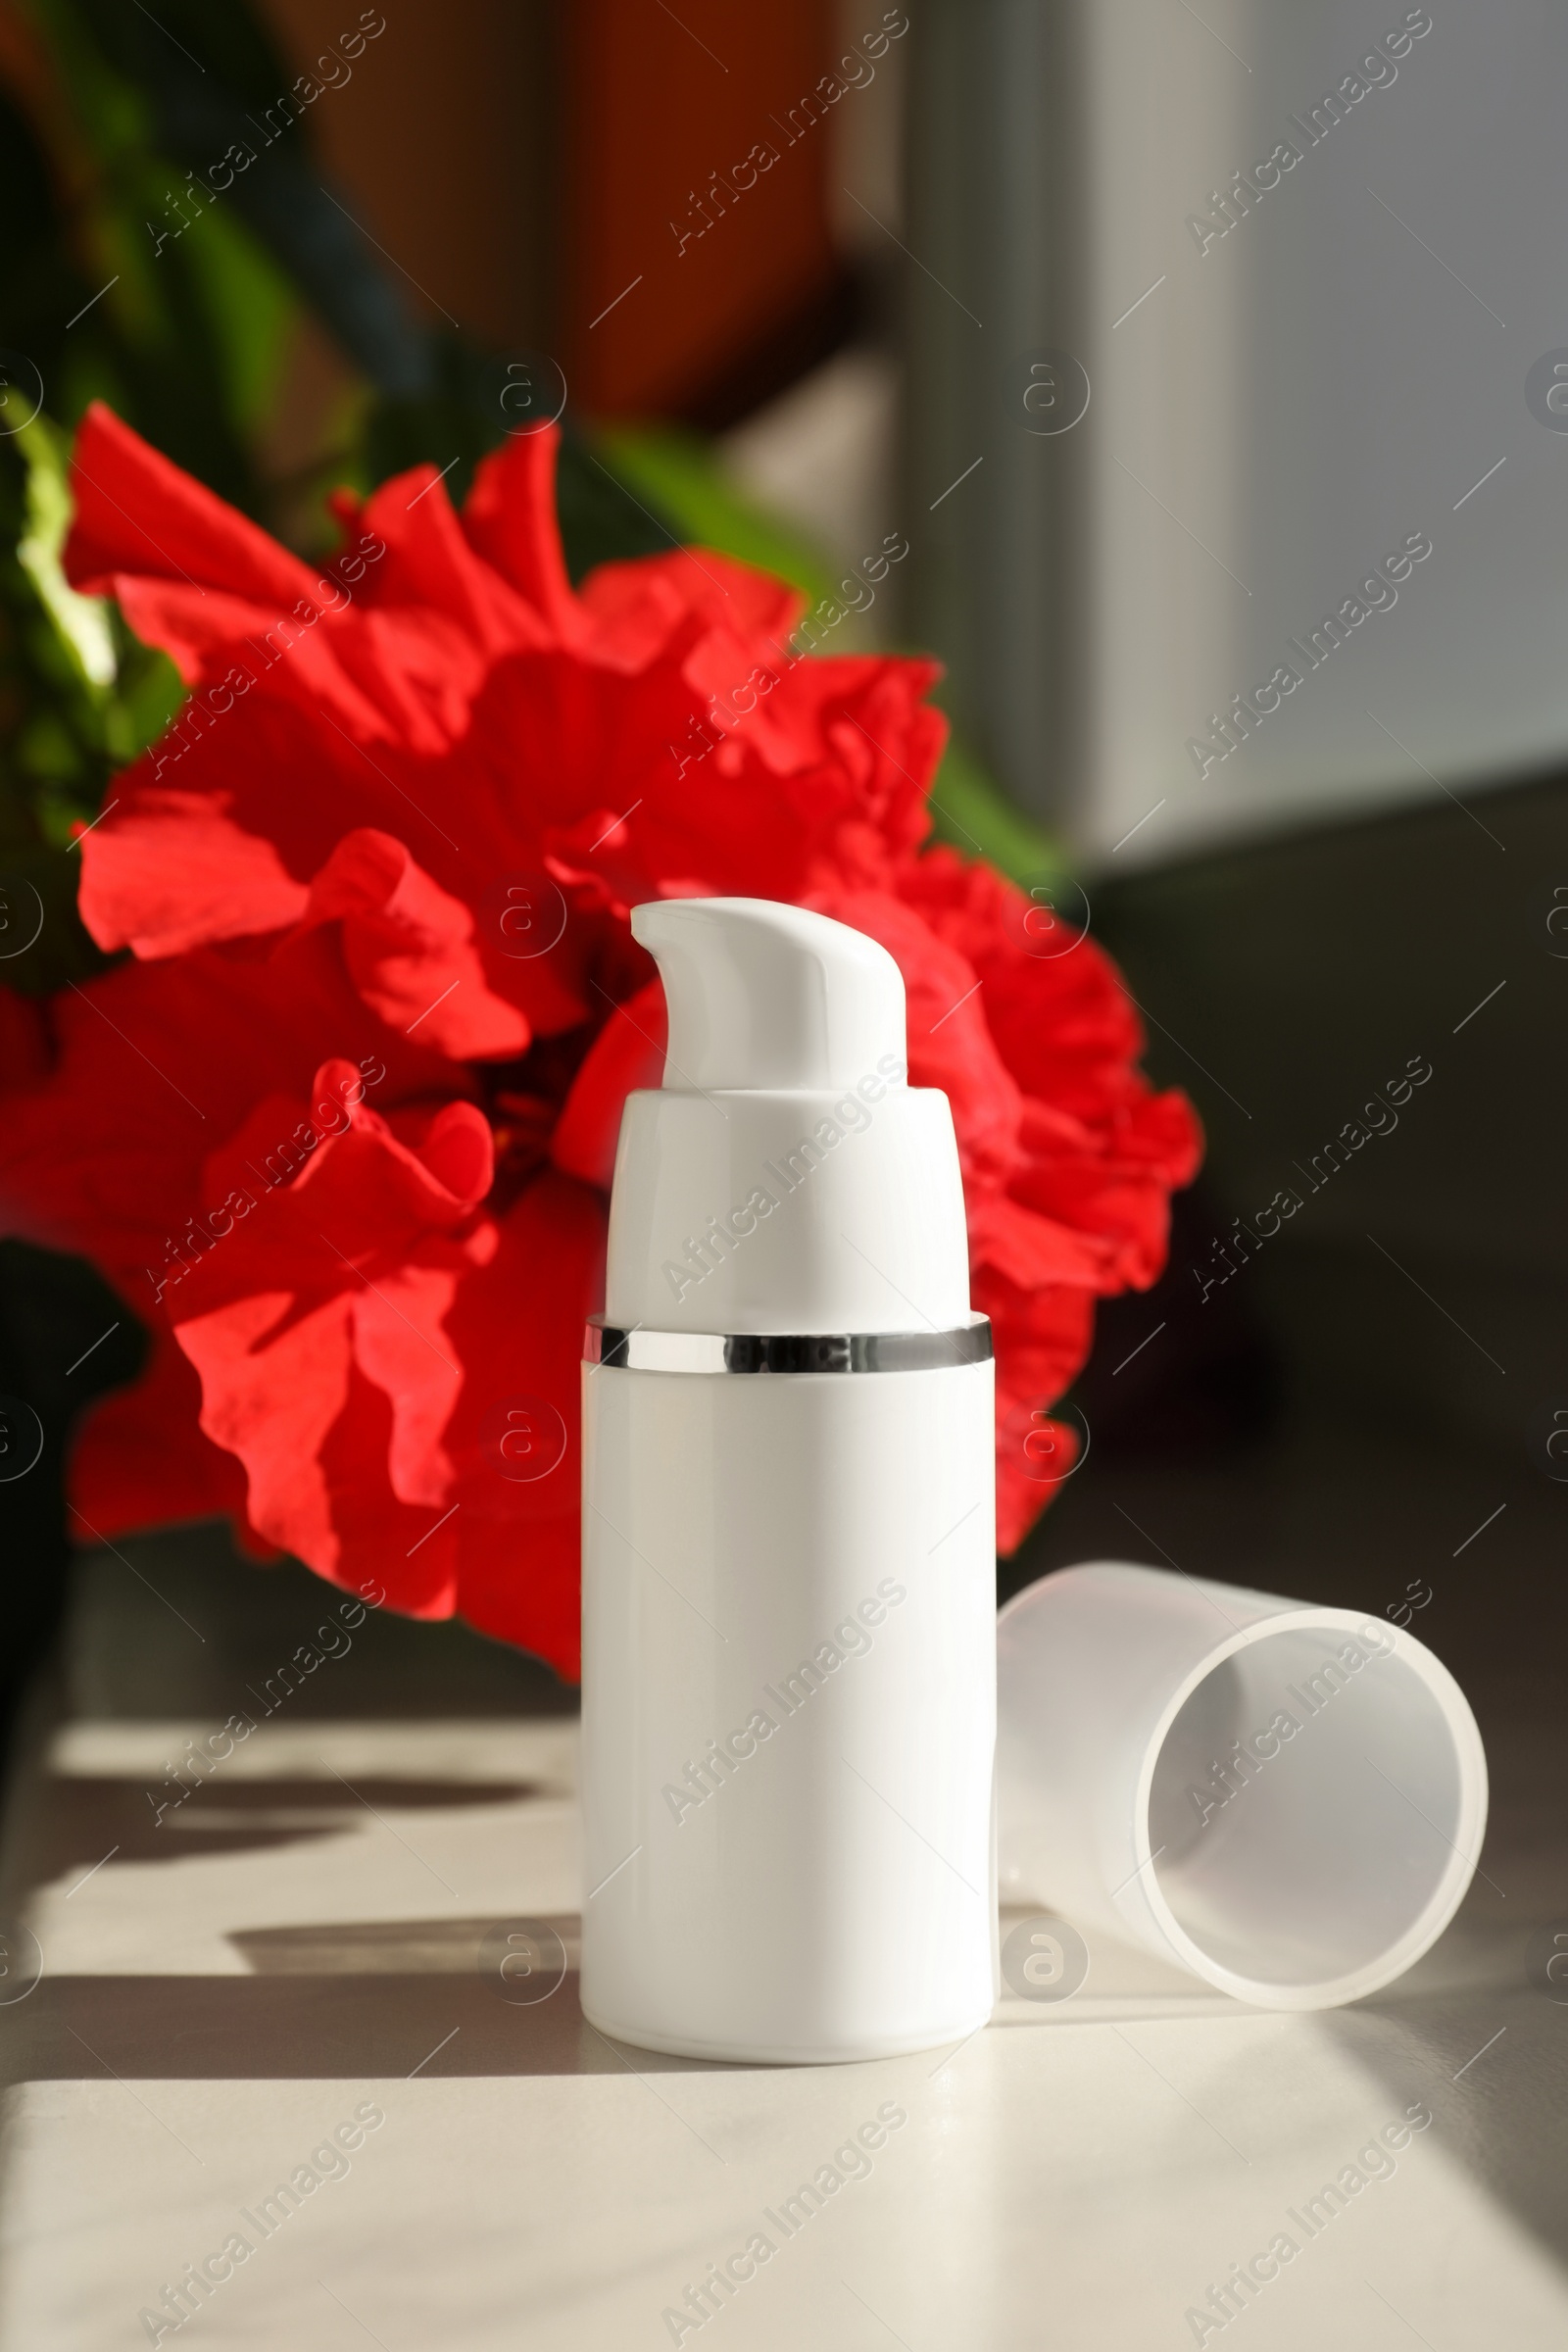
(1286, 1801)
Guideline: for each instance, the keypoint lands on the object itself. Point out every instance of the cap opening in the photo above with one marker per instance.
(1314, 1810)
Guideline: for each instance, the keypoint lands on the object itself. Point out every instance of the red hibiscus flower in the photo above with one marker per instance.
(341, 1129)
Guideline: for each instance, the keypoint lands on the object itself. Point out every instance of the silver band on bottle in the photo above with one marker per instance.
(642, 1351)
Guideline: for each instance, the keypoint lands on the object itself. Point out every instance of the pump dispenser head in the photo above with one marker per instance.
(784, 1178)
(762, 995)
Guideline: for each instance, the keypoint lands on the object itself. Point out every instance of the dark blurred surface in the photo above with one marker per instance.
(178, 1624)
(1420, 1290)
(65, 1340)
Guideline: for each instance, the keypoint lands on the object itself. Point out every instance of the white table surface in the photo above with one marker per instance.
(225, 1987)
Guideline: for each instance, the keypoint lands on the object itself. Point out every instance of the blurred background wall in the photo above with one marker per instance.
(1308, 259)
(659, 203)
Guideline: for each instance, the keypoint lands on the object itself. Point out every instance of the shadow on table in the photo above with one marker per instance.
(233, 1817)
(1490, 2065)
(380, 1998)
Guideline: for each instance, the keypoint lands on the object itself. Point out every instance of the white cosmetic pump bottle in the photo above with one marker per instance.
(789, 1601)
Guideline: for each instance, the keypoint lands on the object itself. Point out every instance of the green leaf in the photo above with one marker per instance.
(970, 809)
(81, 622)
(677, 472)
(251, 308)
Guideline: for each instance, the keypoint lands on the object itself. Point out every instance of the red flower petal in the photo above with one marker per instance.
(142, 1459)
(175, 871)
(24, 1036)
(409, 950)
(628, 1053)
(356, 1340)
(136, 515)
(510, 519)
